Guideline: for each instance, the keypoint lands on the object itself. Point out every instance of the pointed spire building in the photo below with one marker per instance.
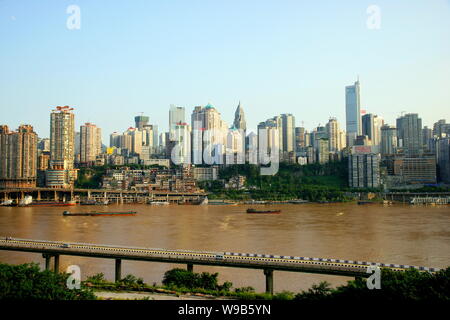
(239, 118)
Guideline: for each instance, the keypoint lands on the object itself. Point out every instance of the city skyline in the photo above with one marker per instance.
(308, 66)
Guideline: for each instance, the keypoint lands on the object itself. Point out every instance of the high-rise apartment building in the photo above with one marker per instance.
(114, 139)
(322, 151)
(61, 173)
(288, 132)
(388, 143)
(363, 168)
(300, 138)
(353, 109)
(18, 157)
(209, 134)
(409, 134)
(90, 143)
(371, 127)
(443, 159)
(333, 131)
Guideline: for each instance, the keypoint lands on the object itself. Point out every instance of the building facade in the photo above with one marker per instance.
(18, 157)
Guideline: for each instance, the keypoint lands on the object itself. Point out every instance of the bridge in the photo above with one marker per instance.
(267, 263)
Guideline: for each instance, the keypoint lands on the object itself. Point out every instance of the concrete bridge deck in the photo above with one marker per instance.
(268, 263)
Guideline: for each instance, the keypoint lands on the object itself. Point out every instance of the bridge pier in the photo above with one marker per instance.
(118, 273)
(269, 280)
(47, 260)
(56, 268)
(190, 267)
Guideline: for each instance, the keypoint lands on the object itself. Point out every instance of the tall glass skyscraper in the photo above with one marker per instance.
(353, 109)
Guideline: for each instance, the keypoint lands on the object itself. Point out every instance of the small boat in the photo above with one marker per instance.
(7, 203)
(159, 203)
(367, 202)
(25, 201)
(251, 210)
(96, 213)
(222, 203)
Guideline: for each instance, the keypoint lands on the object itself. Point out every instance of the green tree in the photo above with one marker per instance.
(26, 281)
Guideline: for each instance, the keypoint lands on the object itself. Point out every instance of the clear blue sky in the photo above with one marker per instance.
(275, 56)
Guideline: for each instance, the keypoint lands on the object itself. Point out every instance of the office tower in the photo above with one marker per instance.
(18, 157)
(61, 173)
(141, 121)
(388, 140)
(300, 138)
(180, 152)
(441, 129)
(333, 132)
(409, 134)
(353, 109)
(239, 118)
(176, 115)
(114, 140)
(428, 142)
(322, 151)
(90, 143)
(238, 131)
(443, 159)
(288, 132)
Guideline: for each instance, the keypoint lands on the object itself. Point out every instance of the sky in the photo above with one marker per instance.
(275, 57)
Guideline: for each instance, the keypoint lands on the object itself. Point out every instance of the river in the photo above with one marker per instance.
(403, 234)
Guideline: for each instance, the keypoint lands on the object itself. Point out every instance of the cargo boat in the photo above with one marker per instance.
(263, 211)
(95, 213)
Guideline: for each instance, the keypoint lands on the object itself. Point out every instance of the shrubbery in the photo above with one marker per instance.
(182, 278)
(407, 286)
(26, 281)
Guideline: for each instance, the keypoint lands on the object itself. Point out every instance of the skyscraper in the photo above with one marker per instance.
(176, 115)
(209, 131)
(62, 148)
(409, 133)
(333, 131)
(388, 144)
(353, 109)
(239, 118)
(18, 157)
(371, 127)
(141, 121)
(300, 138)
(90, 143)
(288, 132)
(181, 151)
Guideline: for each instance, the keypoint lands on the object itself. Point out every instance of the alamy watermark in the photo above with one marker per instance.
(374, 19)
(74, 279)
(218, 146)
(73, 22)
(374, 281)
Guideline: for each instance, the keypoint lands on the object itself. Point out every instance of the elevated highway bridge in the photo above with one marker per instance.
(266, 262)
